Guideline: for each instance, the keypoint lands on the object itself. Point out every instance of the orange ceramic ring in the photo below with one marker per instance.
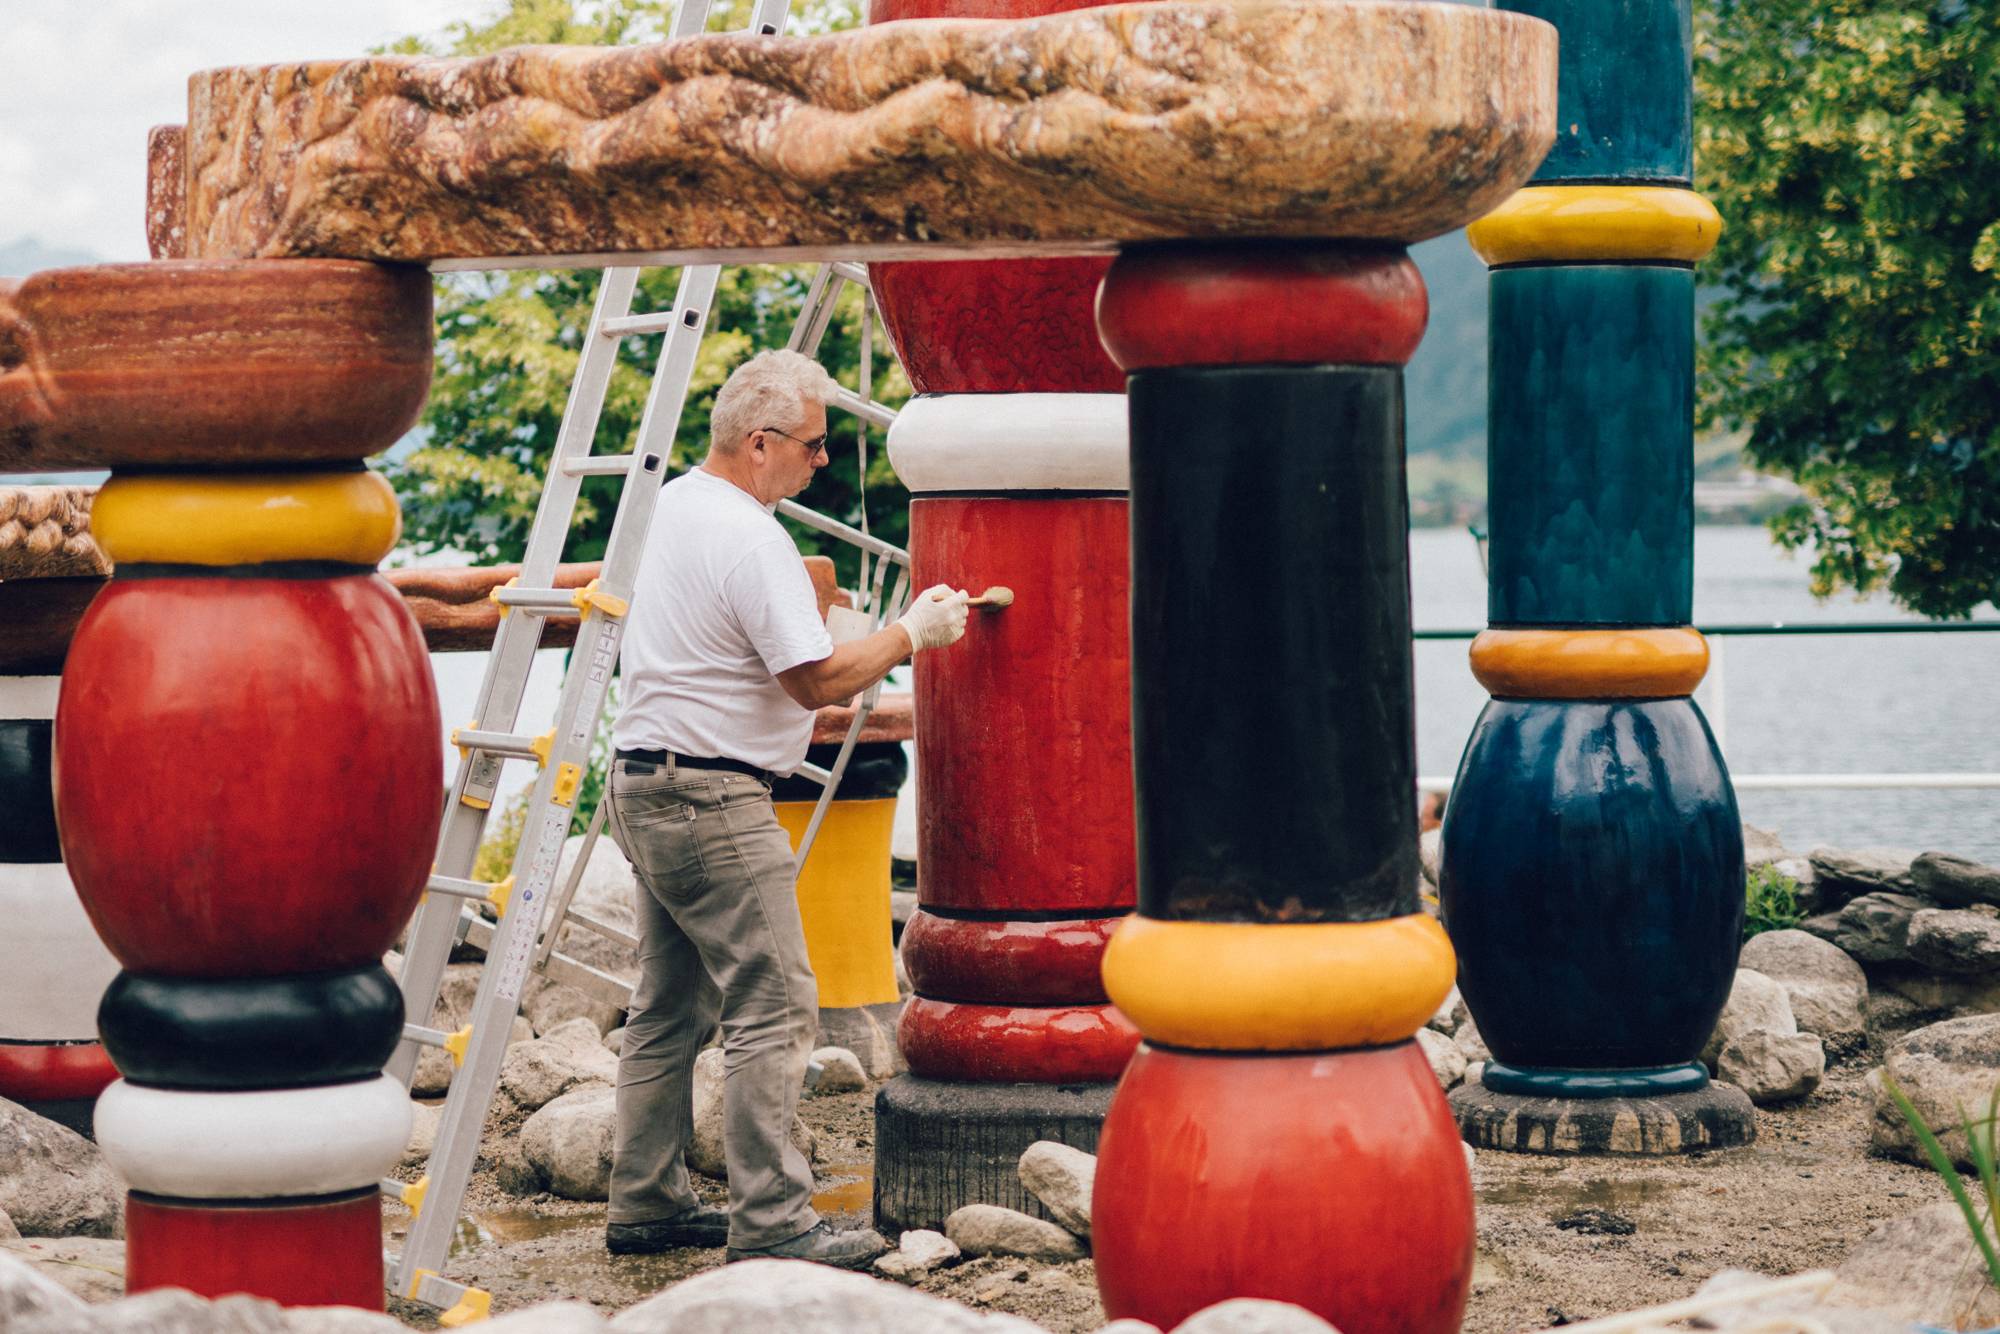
(1590, 664)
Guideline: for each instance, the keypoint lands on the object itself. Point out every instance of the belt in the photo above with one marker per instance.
(699, 762)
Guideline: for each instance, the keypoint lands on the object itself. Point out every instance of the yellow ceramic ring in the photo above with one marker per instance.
(350, 518)
(1583, 223)
(1295, 986)
(1590, 664)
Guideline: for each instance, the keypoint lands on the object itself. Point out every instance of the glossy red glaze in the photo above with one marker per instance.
(997, 326)
(247, 772)
(56, 1072)
(1009, 1044)
(318, 1254)
(1011, 963)
(1313, 303)
(1024, 758)
(1334, 1181)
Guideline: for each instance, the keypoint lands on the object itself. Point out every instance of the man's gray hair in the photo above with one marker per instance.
(770, 389)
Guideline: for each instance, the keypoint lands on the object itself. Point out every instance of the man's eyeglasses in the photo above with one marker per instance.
(814, 446)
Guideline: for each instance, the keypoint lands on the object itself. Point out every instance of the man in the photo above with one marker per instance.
(725, 661)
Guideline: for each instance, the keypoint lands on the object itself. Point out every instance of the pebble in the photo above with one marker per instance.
(1062, 1178)
(988, 1229)
(1254, 1315)
(840, 1071)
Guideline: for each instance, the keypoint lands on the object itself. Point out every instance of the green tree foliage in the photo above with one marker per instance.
(508, 342)
(1853, 148)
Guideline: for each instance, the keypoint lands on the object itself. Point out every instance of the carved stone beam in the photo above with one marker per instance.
(922, 139)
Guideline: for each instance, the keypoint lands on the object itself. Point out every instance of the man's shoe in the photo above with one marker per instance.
(855, 1249)
(704, 1225)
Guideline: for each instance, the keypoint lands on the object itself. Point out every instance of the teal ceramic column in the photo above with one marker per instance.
(1592, 878)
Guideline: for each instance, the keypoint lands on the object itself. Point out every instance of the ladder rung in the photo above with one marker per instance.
(598, 465)
(854, 273)
(814, 772)
(849, 401)
(535, 599)
(516, 744)
(465, 889)
(602, 928)
(650, 324)
(430, 1037)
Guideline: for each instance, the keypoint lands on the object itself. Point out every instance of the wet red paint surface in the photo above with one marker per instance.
(53, 1073)
(1024, 758)
(1331, 1180)
(315, 1254)
(247, 772)
(1311, 304)
(997, 326)
(1017, 963)
(1087, 1044)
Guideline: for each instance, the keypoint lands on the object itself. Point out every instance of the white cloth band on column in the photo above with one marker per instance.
(244, 1146)
(1011, 442)
(28, 696)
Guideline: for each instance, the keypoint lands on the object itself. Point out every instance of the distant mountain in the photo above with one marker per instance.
(27, 255)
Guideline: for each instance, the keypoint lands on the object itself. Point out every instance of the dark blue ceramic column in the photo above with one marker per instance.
(1592, 877)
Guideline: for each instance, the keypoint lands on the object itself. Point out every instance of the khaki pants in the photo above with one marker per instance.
(719, 936)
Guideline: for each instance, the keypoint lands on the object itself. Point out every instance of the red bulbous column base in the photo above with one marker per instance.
(1334, 1181)
(320, 1252)
(1000, 1044)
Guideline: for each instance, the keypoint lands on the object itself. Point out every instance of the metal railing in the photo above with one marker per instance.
(1718, 712)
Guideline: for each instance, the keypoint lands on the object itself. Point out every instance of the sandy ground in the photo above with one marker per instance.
(1641, 1231)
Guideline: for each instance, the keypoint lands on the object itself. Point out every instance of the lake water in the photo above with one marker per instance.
(1902, 703)
(1804, 704)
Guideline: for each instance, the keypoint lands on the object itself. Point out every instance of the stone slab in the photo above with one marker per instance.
(1717, 1117)
(1388, 121)
(220, 363)
(166, 192)
(940, 1147)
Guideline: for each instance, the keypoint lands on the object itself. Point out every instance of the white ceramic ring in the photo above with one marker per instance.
(1011, 442)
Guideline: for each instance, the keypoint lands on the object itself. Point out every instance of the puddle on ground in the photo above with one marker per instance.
(1568, 1193)
(853, 1193)
(515, 1225)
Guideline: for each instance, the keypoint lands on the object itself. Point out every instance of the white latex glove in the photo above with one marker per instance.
(936, 617)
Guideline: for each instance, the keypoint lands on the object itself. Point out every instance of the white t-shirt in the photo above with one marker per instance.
(722, 604)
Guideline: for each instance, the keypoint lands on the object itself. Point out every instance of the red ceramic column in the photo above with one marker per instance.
(1014, 452)
(247, 769)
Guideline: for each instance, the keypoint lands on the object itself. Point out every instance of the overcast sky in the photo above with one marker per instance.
(82, 80)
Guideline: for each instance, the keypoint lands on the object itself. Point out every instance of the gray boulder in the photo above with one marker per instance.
(1922, 1267)
(1827, 989)
(1948, 1071)
(1061, 1177)
(1762, 847)
(1772, 1067)
(1875, 928)
(53, 1181)
(549, 1318)
(89, 1268)
(1450, 1013)
(796, 1295)
(424, 1122)
(1956, 882)
(342, 1320)
(1470, 1044)
(549, 1004)
(1785, 1311)
(1447, 1061)
(988, 1229)
(178, 1311)
(1254, 1315)
(29, 1296)
(1843, 874)
(705, 1148)
(534, 1074)
(1956, 940)
(1756, 1004)
(839, 1071)
(920, 1252)
(8, 1232)
(568, 1143)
